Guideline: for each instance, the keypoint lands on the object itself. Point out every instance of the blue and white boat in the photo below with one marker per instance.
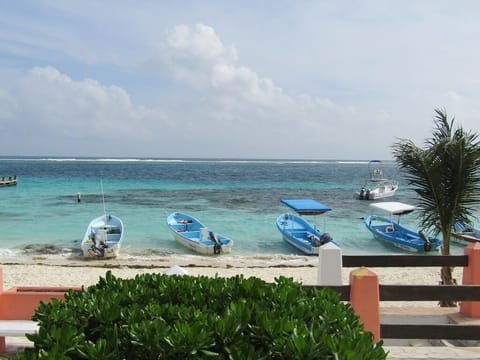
(465, 234)
(297, 231)
(390, 231)
(191, 233)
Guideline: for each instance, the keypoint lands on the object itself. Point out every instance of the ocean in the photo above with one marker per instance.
(237, 198)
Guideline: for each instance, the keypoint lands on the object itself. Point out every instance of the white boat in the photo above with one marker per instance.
(465, 234)
(391, 232)
(103, 237)
(377, 186)
(190, 232)
(297, 231)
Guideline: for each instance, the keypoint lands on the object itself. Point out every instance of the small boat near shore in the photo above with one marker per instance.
(300, 233)
(377, 186)
(465, 234)
(103, 237)
(391, 232)
(8, 181)
(191, 233)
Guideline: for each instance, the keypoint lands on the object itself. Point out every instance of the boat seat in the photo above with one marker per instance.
(113, 237)
(179, 227)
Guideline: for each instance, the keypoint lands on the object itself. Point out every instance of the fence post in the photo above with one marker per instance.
(471, 276)
(329, 265)
(365, 299)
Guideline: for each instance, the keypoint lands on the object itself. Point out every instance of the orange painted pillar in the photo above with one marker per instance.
(365, 299)
(471, 276)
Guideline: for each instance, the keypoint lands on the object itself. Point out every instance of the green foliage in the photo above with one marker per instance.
(172, 317)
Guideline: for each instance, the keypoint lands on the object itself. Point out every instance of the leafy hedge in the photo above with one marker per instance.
(183, 317)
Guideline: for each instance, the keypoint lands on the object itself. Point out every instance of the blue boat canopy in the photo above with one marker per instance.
(306, 206)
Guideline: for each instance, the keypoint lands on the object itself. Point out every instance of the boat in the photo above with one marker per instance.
(191, 233)
(464, 233)
(377, 186)
(300, 233)
(388, 230)
(103, 237)
(8, 181)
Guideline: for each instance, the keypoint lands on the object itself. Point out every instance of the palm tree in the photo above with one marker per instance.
(445, 174)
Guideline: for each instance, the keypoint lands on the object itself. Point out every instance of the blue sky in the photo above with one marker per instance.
(235, 79)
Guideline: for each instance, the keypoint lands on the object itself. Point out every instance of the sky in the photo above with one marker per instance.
(234, 79)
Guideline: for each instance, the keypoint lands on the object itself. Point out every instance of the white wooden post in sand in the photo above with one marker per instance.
(329, 265)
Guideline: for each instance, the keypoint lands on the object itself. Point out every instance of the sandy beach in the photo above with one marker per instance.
(77, 271)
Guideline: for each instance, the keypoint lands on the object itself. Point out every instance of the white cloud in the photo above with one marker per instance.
(58, 114)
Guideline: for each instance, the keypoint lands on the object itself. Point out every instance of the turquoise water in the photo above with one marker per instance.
(238, 198)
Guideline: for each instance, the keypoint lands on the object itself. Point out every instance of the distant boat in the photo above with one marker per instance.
(103, 237)
(377, 186)
(10, 181)
(391, 232)
(297, 231)
(465, 234)
(191, 233)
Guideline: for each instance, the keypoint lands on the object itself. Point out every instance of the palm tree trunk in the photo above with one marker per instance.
(446, 271)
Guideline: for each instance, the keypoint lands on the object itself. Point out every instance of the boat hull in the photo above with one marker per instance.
(380, 192)
(464, 239)
(192, 234)
(103, 237)
(301, 235)
(390, 232)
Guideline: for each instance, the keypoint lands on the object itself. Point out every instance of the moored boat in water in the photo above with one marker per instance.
(391, 232)
(300, 233)
(8, 181)
(377, 186)
(103, 237)
(191, 233)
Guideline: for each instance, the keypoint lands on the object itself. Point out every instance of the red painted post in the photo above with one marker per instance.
(471, 276)
(365, 299)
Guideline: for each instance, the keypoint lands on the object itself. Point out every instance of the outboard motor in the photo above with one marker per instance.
(362, 193)
(367, 195)
(217, 247)
(427, 245)
(325, 238)
(316, 242)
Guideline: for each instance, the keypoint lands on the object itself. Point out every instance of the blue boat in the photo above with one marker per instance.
(191, 233)
(465, 234)
(389, 231)
(297, 231)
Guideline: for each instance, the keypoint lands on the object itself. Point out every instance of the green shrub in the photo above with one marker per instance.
(183, 317)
